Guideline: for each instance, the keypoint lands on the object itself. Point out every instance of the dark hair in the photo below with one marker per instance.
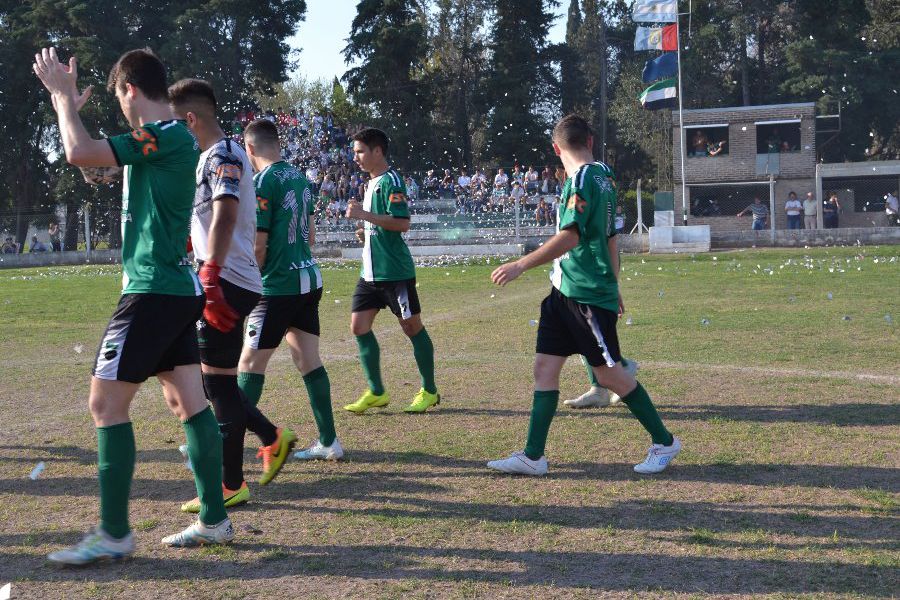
(190, 91)
(263, 132)
(572, 131)
(373, 138)
(142, 69)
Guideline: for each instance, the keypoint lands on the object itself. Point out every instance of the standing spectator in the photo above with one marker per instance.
(430, 183)
(620, 220)
(560, 179)
(9, 247)
(517, 174)
(810, 206)
(792, 208)
(542, 213)
(53, 232)
(760, 213)
(37, 246)
(891, 209)
(830, 211)
(517, 194)
(412, 189)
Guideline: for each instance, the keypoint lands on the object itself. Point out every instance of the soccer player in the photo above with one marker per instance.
(223, 233)
(388, 278)
(153, 330)
(579, 316)
(292, 284)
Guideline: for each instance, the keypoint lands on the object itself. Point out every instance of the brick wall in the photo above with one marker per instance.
(740, 162)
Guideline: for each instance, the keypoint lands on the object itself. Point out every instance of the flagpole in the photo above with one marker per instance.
(684, 200)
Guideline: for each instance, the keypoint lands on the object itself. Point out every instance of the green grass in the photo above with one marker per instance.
(786, 486)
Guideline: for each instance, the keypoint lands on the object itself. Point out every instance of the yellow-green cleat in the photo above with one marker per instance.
(423, 401)
(274, 456)
(232, 498)
(368, 400)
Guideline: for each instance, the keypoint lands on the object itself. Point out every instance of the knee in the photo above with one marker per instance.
(410, 328)
(359, 329)
(105, 411)
(545, 376)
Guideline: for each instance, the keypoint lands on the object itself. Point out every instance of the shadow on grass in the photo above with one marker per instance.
(834, 414)
(595, 570)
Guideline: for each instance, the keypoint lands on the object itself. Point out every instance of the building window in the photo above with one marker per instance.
(724, 200)
(706, 140)
(778, 137)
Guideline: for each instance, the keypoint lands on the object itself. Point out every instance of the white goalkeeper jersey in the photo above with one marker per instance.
(225, 170)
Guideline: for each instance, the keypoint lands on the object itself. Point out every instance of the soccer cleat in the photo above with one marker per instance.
(659, 457)
(319, 452)
(96, 545)
(274, 456)
(423, 401)
(596, 397)
(519, 464)
(199, 534)
(232, 498)
(368, 400)
(632, 367)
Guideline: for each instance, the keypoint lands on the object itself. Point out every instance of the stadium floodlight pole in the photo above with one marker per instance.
(684, 201)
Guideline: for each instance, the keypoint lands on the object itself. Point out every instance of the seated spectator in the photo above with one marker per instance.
(412, 189)
(445, 190)
(891, 209)
(531, 181)
(37, 246)
(716, 148)
(517, 194)
(543, 213)
(430, 184)
(9, 246)
(500, 182)
(463, 182)
(328, 189)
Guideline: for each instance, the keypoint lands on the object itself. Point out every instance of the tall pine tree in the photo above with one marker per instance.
(572, 82)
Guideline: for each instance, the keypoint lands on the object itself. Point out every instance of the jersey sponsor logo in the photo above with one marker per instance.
(576, 203)
(263, 203)
(226, 171)
(147, 140)
(397, 197)
(605, 184)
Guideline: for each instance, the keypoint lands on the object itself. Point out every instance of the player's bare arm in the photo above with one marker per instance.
(555, 247)
(356, 211)
(101, 175)
(61, 81)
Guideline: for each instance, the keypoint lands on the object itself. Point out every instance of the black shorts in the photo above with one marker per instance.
(148, 334)
(400, 296)
(568, 327)
(274, 315)
(220, 349)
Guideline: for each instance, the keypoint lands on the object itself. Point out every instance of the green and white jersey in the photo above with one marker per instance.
(385, 254)
(160, 160)
(284, 204)
(585, 273)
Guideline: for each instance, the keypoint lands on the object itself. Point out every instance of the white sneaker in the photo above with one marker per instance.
(320, 452)
(632, 367)
(199, 534)
(659, 457)
(595, 397)
(519, 464)
(96, 545)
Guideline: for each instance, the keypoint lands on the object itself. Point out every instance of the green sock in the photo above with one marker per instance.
(638, 402)
(204, 442)
(590, 372)
(252, 385)
(542, 412)
(319, 389)
(115, 466)
(423, 350)
(370, 358)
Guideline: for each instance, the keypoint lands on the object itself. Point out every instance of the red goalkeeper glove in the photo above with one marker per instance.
(217, 312)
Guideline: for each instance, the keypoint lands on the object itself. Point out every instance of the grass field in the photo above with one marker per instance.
(786, 401)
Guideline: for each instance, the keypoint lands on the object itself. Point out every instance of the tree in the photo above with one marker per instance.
(389, 38)
(572, 81)
(519, 73)
(591, 44)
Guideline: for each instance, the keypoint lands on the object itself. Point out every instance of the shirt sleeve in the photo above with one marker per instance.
(579, 210)
(223, 171)
(264, 206)
(139, 146)
(395, 190)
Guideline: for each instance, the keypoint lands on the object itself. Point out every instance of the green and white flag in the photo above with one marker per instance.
(661, 94)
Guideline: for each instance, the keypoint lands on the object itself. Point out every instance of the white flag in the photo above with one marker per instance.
(655, 11)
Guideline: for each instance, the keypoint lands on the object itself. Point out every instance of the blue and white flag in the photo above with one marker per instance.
(662, 67)
(655, 11)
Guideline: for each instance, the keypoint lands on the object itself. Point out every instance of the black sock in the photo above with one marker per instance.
(228, 405)
(258, 423)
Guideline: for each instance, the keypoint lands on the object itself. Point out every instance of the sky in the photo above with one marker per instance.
(321, 37)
